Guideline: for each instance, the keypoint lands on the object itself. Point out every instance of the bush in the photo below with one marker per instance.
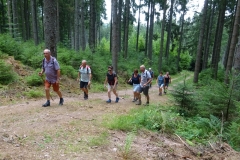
(34, 94)
(6, 73)
(34, 79)
(69, 71)
(233, 133)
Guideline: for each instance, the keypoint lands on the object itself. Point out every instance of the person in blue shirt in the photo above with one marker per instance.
(136, 79)
(160, 82)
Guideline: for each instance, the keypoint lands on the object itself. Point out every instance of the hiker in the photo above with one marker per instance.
(111, 82)
(51, 69)
(167, 80)
(160, 82)
(136, 78)
(86, 76)
(144, 85)
(152, 75)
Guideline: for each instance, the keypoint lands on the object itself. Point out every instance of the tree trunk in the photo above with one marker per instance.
(180, 41)
(150, 39)
(162, 36)
(120, 25)
(138, 27)
(200, 43)
(27, 21)
(114, 35)
(147, 29)
(76, 26)
(169, 31)
(209, 35)
(126, 28)
(82, 26)
(233, 43)
(218, 39)
(10, 17)
(50, 29)
(58, 23)
(92, 34)
(15, 18)
(22, 20)
(34, 21)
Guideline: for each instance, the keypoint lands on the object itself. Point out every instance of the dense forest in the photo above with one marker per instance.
(206, 44)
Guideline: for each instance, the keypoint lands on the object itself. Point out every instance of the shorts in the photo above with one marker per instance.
(161, 85)
(135, 87)
(54, 85)
(110, 87)
(141, 89)
(166, 84)
(83, 84)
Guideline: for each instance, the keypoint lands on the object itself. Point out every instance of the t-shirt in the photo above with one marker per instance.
(85, 73)
(145, 76)
(167, 77)
(111, 78)
(151, 73)
(160, 80)
(135, 80)
(50, 68)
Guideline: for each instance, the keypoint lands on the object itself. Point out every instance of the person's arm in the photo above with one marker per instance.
(105, 82)
(79, 74)
(115, 81)
(90, 78)
(41, 73)
(170, 79)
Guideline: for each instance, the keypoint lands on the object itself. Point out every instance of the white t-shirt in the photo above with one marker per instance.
(85, 73)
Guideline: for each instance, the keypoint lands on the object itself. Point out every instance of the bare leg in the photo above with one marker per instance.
(47, 93)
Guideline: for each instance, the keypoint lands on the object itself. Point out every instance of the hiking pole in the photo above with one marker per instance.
(49, 91)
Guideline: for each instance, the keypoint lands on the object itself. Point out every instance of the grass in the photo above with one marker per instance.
(34, 94)
(98, 140)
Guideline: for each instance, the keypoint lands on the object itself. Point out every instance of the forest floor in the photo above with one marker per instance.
(75, 131)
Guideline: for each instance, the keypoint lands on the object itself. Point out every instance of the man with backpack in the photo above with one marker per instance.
(86, 76)
(152, 75)
(146, 79)
(51, 69)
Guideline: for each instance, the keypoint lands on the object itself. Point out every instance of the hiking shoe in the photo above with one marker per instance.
(46, 104)
(61, 101)
(117, 99)
(85, 96)
(165, 92)
(134, 100)
(160, 94)
(108, 101)
(146, 104)
(139, 102)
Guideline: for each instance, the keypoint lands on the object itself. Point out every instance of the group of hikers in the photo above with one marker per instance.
(141, 82)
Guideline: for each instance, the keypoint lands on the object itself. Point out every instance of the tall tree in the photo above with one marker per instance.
(151, 25)
(10, 17)
(200, 43)
(235, 34)
(169, 30)
(27, 19)
(76, 26)
(34, 21)
(162, 35)
(218, 38)
(15, 18)
(138, 26)
(126, 27)
(147, 28)
(92, 30)
(120, 5)
(50, 29)
(82, 26)
(114, 35)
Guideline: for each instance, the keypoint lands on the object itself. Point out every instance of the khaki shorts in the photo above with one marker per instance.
(54, 85)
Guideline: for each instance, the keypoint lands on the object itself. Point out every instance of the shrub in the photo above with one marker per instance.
(6, 73)
(69, 71)
(34, 79)
(233, 133)
(34, 94)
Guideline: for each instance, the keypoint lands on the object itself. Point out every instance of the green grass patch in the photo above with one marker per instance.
(98, 140)
(34, 94)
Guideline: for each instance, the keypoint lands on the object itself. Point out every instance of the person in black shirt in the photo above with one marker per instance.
(111, 82)
(167, 80)
(136, 78)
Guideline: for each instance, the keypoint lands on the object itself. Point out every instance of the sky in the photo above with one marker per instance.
(193, 6)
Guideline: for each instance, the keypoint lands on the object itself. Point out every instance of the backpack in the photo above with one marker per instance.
(88, 67)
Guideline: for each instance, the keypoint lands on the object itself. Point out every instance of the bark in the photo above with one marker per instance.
(138, 26)
(58, 27)
(162, 36)
(76, 26)
(200, 43)
(114, 35)
(169, 31)
(10, 17)
(233, 43)
(150, 39)
(27, 21)
(126, 28)
(15, 18)
(82, 26)
(209, 35)
(92, 30)
(3, 17)
(50, 29)
(218, 39)
(22, 20)
(34, 22)
(147, 29)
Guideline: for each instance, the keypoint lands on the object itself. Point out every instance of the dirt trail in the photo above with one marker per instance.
(75, 131)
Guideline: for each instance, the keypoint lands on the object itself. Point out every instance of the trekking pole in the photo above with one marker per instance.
(49, 91)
